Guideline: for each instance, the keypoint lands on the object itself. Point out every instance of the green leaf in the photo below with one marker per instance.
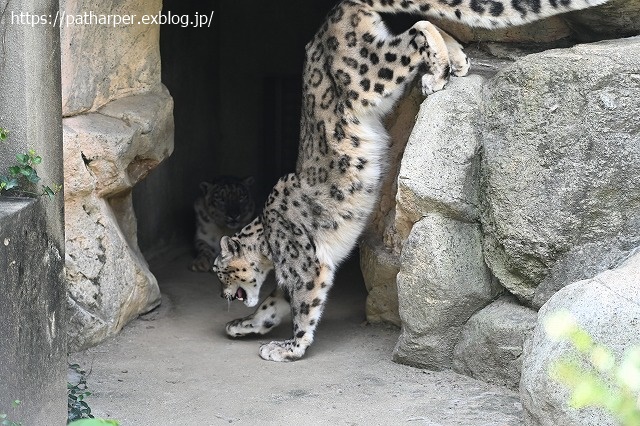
(16, 403)
(4, 133)
(37, 159)
(10, 183)
(48, 192)
(23, 159)
(15, 170)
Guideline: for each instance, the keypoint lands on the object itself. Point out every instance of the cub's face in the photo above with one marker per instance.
(228, 200)
(240, 271)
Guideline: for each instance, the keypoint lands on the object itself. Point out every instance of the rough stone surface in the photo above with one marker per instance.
(106, 153)
(379, 269)
(616, 18)
(608, 308)
(561, 166)
(443, 279)
(441, 283)
(33, 318)
(491, 344)
(544, 31)
(439, 167)
(101, 63)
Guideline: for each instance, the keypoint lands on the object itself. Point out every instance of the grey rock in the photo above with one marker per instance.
(561, 165)
(443, 279)
(439, 170)
(442, 282)
(608, 308)
(491, 344)
(616, 18)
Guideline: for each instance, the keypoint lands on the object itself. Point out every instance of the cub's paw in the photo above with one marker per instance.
(201, 264)
(431, 84)
(281, 351)
(240, 327)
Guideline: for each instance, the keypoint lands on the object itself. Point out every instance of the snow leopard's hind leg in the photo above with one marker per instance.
(307, 304)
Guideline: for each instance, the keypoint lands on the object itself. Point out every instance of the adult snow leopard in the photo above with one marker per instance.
(354, 72)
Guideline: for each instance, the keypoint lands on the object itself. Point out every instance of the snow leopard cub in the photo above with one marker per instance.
(225, 206)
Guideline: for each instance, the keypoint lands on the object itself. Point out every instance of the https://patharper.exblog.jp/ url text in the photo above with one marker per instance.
(63, 19)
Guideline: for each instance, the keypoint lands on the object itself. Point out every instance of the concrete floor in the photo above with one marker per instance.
(175, 366)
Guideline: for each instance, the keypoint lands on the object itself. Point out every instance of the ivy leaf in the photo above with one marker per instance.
(33, 177)
(9, 183)
(37, 159)
(49, 193)
(23, 159)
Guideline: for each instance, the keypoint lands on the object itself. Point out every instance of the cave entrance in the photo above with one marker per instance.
(236, 85)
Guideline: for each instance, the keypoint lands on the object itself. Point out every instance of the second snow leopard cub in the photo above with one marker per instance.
(355, 70)
(225, 206)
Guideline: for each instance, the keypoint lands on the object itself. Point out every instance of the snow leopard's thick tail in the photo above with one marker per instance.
(483, 13)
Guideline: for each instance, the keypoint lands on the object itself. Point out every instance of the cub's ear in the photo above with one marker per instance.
(205, 187)
(248, 181)
(229, 247)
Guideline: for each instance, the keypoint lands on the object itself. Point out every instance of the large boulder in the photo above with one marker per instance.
(441, 283)
(561, 166)
(443, 279)
(118, 126)
(491, 344)
(607, 306)
(105, 154)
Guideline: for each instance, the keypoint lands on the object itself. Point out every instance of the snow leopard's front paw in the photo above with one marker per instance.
(241, 327)
(283, 351)
(459, 64)
(431, 84)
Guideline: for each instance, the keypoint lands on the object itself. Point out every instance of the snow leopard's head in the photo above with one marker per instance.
(241, 271)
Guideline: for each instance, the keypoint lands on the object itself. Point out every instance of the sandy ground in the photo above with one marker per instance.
(175, 366)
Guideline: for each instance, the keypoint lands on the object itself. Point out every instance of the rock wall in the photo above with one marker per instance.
(561, 166)
(517, 180)
(33, 316)
(118, 125)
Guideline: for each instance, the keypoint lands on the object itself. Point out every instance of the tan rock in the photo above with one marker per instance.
(544, 31)
(105, 154)
(101, 63)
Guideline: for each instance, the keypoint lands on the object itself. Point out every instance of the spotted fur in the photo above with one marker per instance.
(225, 206)
(355, 70)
